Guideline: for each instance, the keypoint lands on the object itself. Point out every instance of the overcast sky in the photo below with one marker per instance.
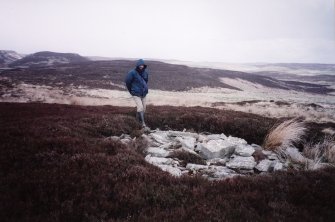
(193, 30)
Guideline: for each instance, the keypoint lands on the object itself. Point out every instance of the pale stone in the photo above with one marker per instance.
(238, 162)
(187, 141)
(179, 133)
(216, 137)
(157, 152)
(216, 149)
(181, 168)
(114, 138)
(166, 145)
(267, 152)
(273, 157)
(244, 150)
(196, 167)
(125, 136)
(236, 140)
(216, 161)
(312, 165)
(198, 147)
(264, 165)
(220, 172)
(145, 137)
(189, 151)
(256, 147)
(159, 137)
(126, 141)
(295, 155)
(245, 171)
(185, 172)
(278, 166)
(160, 160)
(202, 138)
(170, 169)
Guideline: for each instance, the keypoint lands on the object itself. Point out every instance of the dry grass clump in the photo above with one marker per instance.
(285, 135)
(321, 152)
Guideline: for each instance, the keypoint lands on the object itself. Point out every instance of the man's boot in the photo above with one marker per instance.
(141, 114)
(144, 126)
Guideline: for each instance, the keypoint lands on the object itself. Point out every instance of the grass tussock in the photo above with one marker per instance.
(321, 152)
(57, 164)
(285, 135)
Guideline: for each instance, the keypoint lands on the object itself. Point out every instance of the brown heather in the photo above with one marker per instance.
(57, 165)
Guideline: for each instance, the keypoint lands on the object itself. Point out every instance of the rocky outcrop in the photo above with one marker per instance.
(225, 156)
(241, 163)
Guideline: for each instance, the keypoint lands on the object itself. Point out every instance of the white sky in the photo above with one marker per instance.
(194, 30)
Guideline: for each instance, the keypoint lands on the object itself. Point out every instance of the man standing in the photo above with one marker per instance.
(136, 82)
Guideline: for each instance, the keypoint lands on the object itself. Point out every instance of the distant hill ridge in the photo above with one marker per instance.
(8, 56)
(68, 69)
(163, 76)
(46, 58)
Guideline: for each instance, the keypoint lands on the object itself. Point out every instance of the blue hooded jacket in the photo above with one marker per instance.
(136, 81)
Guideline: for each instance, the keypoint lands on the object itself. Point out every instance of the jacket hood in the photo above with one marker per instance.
(141, 62)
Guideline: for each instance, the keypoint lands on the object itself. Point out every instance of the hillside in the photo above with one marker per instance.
(8, 56)
(58, 164)
(45, 58)
(163, 76)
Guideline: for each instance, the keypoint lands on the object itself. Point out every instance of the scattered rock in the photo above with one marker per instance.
(114, 138)
(243, 163)
(224, 156)
(216, 137)
(187, 141)
(216, 149)
(295, 156)
(256, 147)
(189, 151)
(264, 165)
(126, 140)
(172, 170)
(125, 136)
(198, 147)
(202, 138)
(278, 166)
(157, 152)
(161, 161)
(196, 167)
(267, 152)
(160, 137)
(273, 157)
(145, 138)
(182, 134)
(244, 150)
(236, 140)
(220, 172)
(217, 161)
(259, 155)
(312, 165)
(167, 146)
(245, 171)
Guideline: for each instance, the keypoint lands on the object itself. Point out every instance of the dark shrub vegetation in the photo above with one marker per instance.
(57, 165)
